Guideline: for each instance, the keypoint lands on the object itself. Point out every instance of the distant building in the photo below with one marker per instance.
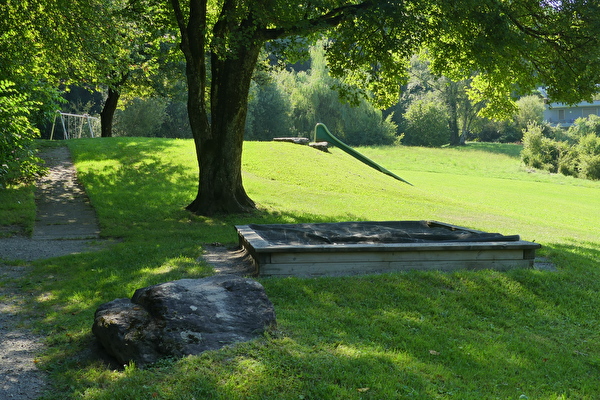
(564, 116)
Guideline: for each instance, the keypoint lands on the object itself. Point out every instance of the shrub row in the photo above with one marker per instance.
(574, 152)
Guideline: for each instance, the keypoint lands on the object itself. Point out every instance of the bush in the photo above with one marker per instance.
(583, 127)
(176, 123)
(581, 159)
(589, 167)
(539, 151)
(141, 117)
(589, 144)
(18, 162)
(589, 156)
(268, 112)
(530, 109)
(308, 98)
(426, 124)
(153, 117)
(568, 163)
(365, 125)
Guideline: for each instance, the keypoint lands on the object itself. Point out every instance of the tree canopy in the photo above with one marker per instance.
(507, 47)
(512, 45)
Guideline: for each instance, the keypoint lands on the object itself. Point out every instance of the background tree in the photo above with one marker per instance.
(530, 109)
(138, 59)
(313, 100)
(28, 81)
(426, 123)
(529, 43)
(269, 107)
(461, 111)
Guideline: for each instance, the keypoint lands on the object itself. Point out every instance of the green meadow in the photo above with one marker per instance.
(521, 334)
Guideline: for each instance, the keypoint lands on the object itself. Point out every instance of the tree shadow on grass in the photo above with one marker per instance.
(465, 334)
(471, 333)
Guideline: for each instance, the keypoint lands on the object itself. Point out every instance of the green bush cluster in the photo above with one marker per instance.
(18, 162)
(426, 124)
(574, 152)
(290, 103)
(153, 117)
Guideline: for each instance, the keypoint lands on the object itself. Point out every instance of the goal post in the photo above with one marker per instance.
(76, 126)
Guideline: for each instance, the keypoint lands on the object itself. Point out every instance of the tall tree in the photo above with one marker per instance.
(525, 42)
(121, 49)
(28, 81)
(461, 110)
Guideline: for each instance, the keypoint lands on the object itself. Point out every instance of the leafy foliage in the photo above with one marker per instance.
(575, 153)
(18, 162)
(588, 149)
(426, 124)
(518, 46)
(538, 150)
(288, 102)
(530, 109)
(584, 126)
(141, 117)
(269, 108)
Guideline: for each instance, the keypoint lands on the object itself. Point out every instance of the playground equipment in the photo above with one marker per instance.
(322, 134)
(73, 125)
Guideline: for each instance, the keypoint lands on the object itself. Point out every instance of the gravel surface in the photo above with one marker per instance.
(20, 379)
(65, 224)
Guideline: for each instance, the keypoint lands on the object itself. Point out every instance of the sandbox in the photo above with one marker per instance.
(350, 248)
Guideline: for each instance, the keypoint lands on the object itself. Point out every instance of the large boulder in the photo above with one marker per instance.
(183, 317)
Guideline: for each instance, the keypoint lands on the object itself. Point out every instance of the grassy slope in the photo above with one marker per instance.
(17, 210)
(426, 335)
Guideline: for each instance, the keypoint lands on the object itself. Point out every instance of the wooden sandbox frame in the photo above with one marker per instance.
(279, 259)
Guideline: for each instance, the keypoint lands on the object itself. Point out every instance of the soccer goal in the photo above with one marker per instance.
(75, 126)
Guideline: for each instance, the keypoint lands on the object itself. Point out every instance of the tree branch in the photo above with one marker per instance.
(178, 15)
(330, 19)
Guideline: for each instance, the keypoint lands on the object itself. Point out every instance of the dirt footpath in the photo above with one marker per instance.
(65, 224)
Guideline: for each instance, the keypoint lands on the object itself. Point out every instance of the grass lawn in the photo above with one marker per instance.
(522, 334)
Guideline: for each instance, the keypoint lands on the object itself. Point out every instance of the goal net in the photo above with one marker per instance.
(74, 126)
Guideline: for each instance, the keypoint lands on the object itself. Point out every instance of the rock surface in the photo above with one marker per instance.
(188, 316)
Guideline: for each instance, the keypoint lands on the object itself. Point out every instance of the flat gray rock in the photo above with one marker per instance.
(183, 317)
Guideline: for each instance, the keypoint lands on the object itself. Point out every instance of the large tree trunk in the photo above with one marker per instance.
(218, 141)
(220, 188)
(108, 112)
(452, 103)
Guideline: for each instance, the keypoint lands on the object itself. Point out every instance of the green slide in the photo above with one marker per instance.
(322, 134)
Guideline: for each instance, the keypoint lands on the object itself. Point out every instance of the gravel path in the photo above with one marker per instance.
(65, 224)
(20, 379)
